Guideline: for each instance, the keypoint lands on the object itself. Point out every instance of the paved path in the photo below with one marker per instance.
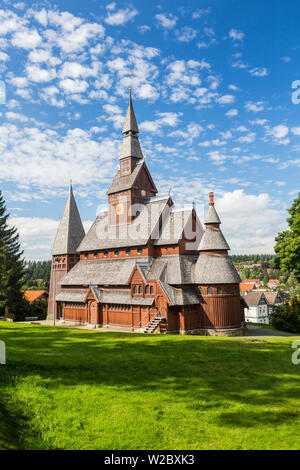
(254, 331)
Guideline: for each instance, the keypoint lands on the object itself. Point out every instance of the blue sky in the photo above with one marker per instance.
(212, 89)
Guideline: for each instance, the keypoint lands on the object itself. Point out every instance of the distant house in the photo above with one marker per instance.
(257, 310)
(33, 295)
(274, 299)
(273, 283)
(247, 287)
(252, 281)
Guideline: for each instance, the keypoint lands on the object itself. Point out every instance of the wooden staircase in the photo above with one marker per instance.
(154, 324)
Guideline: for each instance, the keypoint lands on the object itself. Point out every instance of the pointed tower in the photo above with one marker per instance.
(131, 151)
(69, 235)
(217, 278)
(133, 184)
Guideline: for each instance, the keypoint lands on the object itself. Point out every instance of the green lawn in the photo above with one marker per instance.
(75, 389)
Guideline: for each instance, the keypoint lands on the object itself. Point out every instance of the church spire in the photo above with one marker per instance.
(130, 124)
(131, 147)
(70, 231)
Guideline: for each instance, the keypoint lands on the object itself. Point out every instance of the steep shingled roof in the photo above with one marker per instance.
(213, 240)
(130, 120)
(70, 231)
(212, 216)
(131, 147)
(145, 226)
(212, 269)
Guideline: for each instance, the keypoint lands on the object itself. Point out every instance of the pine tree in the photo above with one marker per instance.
(11, 266)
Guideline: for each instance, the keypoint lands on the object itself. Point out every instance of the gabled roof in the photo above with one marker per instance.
(32, 295)
(143, 228)
(271, 297)
(179, 296)
(179, 225)
(130, 119)
(123, 183)
(70, 231)
(253, 298)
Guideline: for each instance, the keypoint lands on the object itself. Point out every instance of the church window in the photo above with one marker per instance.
(147, 290)
(140, 289)
(151, 290)
(135, 290)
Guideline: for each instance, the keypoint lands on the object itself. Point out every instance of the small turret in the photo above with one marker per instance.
(64, 253)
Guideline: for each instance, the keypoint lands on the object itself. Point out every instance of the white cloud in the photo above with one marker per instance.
(165, 119)
(143, 28)
(232, 113)
(226, 99)
(3, 56)
(38, 75)
(76, 70)
(73, 86)
(280, 131)
(186, 34)
(295, 130)
(121, 16)
(166, 20)
(19, 82)
(259, 72)
(236, 35)
(26, 39)
(255, 107)
(250, 222)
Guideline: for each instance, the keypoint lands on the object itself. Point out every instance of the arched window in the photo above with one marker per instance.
(209, 291)
(151, 290)
(135, 290)
(116, 252)
(128, 252)
(105, 254)
(140, 289)
(147, 290)
(219, 290)
(200, 290)
(140, 251)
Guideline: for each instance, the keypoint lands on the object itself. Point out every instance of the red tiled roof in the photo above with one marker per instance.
(32, 295)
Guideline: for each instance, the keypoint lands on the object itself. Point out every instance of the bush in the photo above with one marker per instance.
(287, 317)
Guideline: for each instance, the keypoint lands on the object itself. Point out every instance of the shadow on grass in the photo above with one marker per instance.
(204, 373)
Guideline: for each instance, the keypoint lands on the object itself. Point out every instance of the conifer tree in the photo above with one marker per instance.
(11, 266)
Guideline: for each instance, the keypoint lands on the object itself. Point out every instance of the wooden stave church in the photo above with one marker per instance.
(128, 274)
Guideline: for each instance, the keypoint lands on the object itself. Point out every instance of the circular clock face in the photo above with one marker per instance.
(119, 209)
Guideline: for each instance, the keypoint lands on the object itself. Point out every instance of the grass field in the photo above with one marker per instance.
(74, 389)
